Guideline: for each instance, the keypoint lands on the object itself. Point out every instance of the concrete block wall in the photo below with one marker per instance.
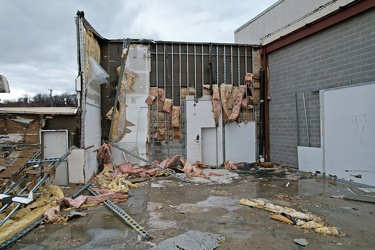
(163, 149)
(340, 55)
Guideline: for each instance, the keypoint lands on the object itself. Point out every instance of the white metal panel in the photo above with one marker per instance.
(240, 142)
(76, 162)
(55, 145)
(348, 134)
(92, 139)
(138, 62)
(200, 115)
(310, 159)
(209, 146)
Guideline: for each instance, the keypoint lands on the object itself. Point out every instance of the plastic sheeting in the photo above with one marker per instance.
(96, 73)
(192, 240)
(4, 85)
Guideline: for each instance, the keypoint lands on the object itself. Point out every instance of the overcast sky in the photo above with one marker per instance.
(38, 49)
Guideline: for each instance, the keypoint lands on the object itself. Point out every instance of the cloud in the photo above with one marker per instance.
(39, 46)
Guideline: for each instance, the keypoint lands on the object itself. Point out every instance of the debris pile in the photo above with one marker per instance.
(293, 217)
(26, 216)
(111, 175)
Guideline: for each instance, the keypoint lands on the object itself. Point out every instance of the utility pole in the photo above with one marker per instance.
(50, 95)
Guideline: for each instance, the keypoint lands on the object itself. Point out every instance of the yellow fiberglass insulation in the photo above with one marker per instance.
(26, 216)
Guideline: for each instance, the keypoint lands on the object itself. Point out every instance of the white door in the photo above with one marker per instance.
(209, 146)
(55, 145)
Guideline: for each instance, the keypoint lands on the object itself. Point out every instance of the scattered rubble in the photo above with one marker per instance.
(303, 220)
(114, 182)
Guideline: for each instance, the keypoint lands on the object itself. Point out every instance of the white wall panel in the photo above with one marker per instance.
(348, 132)
(75, 166)
(240, 142)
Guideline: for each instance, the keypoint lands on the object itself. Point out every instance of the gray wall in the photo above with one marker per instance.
(337, 56)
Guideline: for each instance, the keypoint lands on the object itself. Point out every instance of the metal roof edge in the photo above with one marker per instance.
(259, 15)
(39, 110)
(319, 13)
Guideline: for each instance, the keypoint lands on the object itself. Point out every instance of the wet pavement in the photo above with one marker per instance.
(167, 207)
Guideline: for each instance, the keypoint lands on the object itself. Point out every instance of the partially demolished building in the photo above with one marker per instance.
(162, 98)
(205, 103)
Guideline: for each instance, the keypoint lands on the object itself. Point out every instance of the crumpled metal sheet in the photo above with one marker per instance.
(192, 240)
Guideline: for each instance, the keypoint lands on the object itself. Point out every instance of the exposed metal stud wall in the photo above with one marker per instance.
(177, 65)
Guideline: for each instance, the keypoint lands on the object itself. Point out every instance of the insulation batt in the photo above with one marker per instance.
(167, 105)
(191, 91)
(102, 153)
(161, 94)
(188, 167)
(124, 53)
(206, 89)
(197, 170)
(244, 103)
(52, 213)
(226, 95)
(183, 93)
(328, 231)
(152, 95)
(232, 97)
(127, 168)
(237, 103)
(26, 216)
(229, 165)
(176, 116)
(249, 80)
(216, 103)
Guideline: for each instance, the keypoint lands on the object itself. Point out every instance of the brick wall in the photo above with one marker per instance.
(337, 56)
